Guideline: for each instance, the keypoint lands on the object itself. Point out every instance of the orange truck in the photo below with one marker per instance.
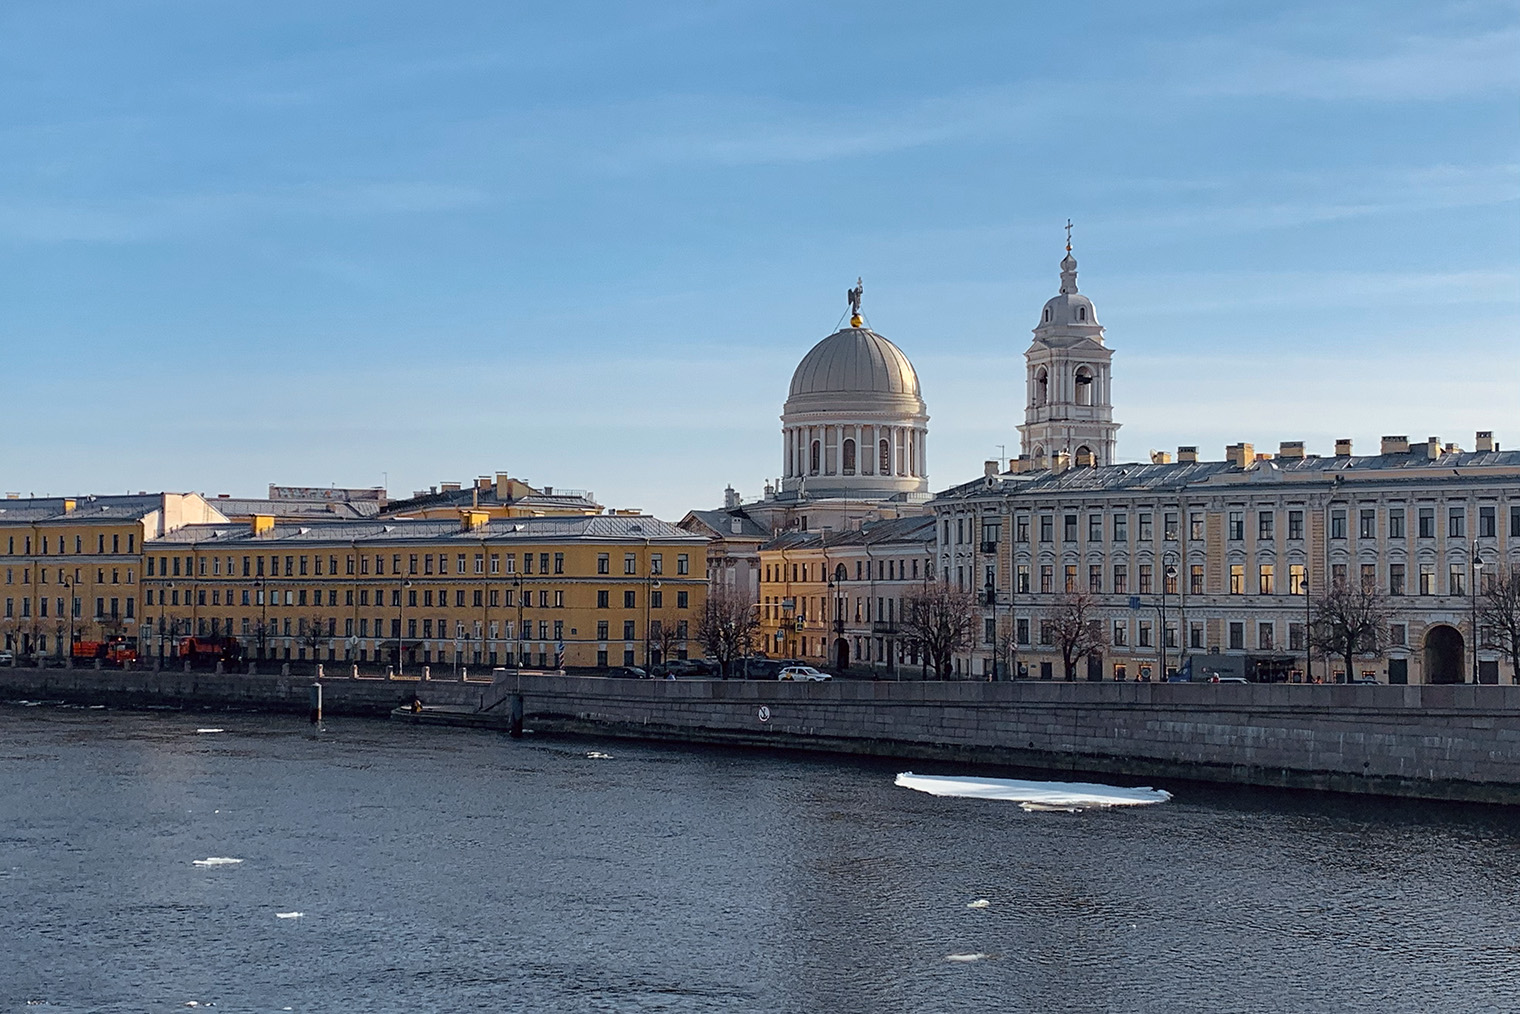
(116, 651)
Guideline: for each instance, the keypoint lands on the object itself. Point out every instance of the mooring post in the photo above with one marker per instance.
(517, 716)
(316, 704)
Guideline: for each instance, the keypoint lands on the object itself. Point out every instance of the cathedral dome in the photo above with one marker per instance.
(855, 360)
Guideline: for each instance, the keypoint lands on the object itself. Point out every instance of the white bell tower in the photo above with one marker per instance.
(1069, 408)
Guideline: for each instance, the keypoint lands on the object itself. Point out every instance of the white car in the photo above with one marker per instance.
(803, 674)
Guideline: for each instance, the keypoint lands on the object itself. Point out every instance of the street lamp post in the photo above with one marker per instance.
(68, 587)
(1477, 568)
(261, 593)
(990, 594)
(401, 628)
(1308, 629)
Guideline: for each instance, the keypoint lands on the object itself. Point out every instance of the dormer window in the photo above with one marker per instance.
(1081, 313)
(1047, 315)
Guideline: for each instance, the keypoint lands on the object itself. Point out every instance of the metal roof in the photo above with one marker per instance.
(627, 529)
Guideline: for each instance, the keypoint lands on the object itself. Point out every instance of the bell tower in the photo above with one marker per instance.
(1069, 407)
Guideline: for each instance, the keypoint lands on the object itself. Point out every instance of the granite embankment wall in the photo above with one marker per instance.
(341, 695)
(1446, 742)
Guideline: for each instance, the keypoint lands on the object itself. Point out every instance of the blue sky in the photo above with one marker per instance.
(587, 243)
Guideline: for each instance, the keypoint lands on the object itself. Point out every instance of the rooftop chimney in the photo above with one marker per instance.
(1343, 447)
(69, 505)
(989, 469)
(731, 498)
(1485, 441)
(483, 482)
(1240, 455)
(1060, 461)
(450, 487)
(1188, 455)
(1395, 445)
(261, 524)
(1433, 448)
(470, 520)
(1161, 457)
(1290, 449)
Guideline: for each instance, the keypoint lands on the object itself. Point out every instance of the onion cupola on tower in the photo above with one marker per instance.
(1069, 409)
(854, 423)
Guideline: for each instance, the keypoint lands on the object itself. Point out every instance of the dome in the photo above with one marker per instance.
(855, 360)
(1070, 311)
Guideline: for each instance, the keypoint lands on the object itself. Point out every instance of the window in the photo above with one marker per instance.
(1366, 524)
(1121, 633)
(603, 565)
(1022, 577)
(601, 630)
(1144, 638)
(629, 600)
(683, 600)
(656, 599)
(601, 598)
(1071, 577)
(1264, 639)
(1456, 522)
(1237, 636)
(1295, 637)
(1395, 579)
(1397, 634)
(1021, 528)
(1047, 632)
(1146, 534)
(885, 454)
(1195, 635)
(815, 456)
(1427, 520)
(1295, 579)
(1456, 579)
(1069, 528)
(1264, 580)
(1121, 527)
(1369, 576)
(1427, 579)
(1237, 579)
(1121, 580)
(1047, 579)
(1295, 526)
(683, 563)
(1337, 574)
(1095, 528)
(1169, 526)
(630, 563)
(656, 563)
(1396, 523)
(1264, 524)
(1487, 523)
(1195, 579)
(1047, 528)
(1145, 579)
(1095, 579)
(628, 630)
(559, 599)
(1338, 524)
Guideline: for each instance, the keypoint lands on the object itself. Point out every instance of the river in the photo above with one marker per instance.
(395, 868)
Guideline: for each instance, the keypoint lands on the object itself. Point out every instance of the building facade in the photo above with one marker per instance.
(838, 600)
(476, 591)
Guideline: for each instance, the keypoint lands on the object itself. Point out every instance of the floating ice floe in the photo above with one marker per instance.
(980, 903)
(288, 915)
(205, 731)
(966, 958)
(598, 755)
(217, 861)
(1065, 796)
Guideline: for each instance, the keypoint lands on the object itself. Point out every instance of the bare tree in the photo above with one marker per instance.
(663, 638)
(727, 624)
(1075, 629)
(1499, 614)
(1005, 647)
(942, 620)
(314, 633)
(1350, 619)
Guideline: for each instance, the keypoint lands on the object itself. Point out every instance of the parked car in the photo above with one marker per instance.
(1228, 679)
(628, 672)
(803, 674)
(1367, 681)
(7, 657)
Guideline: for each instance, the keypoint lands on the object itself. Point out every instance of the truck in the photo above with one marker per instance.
(117, 651)
(210, 650)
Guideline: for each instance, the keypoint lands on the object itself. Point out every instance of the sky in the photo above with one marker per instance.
(374, 242)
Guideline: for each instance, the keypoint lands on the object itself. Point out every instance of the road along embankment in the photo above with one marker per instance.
(1441, 742)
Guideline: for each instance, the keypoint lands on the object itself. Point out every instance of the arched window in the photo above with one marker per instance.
(840, 574)
(1081, 313)
(1041, 387)
(816, 457)
(1047, 315)
(1084, 380)
(849, 457)
(1085, 457)
(886, 458)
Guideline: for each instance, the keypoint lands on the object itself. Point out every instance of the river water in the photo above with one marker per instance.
(441, 870)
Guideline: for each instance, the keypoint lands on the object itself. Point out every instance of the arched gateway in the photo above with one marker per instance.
(1444, 652)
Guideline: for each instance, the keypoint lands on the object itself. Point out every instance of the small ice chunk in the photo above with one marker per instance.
(965, 958)
(1044, 795)
(217, 861)
(980, 903)
(288, 915)
(598, 755)
(205, 731)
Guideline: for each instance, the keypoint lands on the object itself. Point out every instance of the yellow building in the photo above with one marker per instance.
(72, 566)
(501, 497)
(476, 591)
